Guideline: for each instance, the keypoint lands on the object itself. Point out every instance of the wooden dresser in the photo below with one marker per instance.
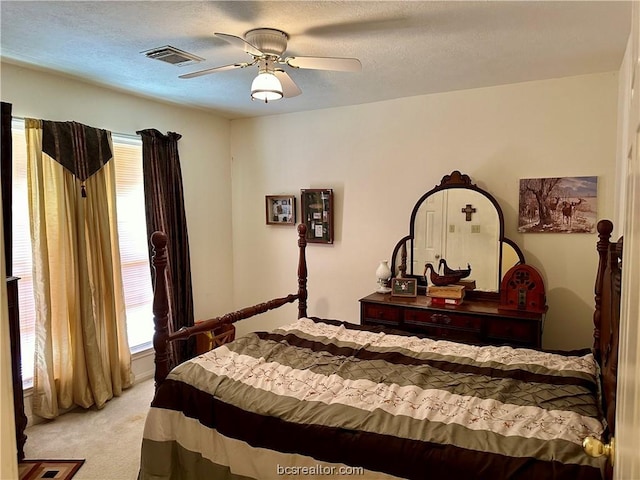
(474, 321)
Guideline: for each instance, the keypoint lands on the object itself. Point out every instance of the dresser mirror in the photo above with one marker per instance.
(462, 224)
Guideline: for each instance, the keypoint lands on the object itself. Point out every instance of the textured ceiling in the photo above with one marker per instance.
(406, 48)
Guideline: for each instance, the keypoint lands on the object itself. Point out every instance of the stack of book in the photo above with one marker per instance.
(446, 295)
(467, 284)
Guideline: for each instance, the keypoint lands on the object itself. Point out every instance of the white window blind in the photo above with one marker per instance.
(132, 233)
(22, 250)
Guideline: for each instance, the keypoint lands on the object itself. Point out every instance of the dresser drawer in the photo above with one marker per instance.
(513, 330)
(478, 322)
(438, 332)
(458, 335)
(449, 320)
(384, 314)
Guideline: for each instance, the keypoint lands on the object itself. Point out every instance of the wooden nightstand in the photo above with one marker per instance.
(478, 322)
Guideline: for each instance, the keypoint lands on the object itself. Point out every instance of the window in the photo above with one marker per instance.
(132, 233)
(22, 250)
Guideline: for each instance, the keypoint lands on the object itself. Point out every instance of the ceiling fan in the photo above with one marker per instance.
(267, 46)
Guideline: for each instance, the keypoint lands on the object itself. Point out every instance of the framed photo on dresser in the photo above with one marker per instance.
(404, 287)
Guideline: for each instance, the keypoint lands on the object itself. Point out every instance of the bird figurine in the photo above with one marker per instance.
(448, 271)
(440, 280)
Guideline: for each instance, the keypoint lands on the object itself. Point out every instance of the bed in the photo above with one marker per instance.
(329, 399)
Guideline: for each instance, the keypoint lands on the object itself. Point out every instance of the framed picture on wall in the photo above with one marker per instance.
(317, 214)
(280, 209)
(558, 205)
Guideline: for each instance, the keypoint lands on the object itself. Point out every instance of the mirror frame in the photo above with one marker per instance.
(451, 181)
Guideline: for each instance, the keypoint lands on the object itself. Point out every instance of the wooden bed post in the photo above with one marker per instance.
(605, 227)
(163, 336)
(160, 307)
(610, 331)
(302, 271)
(606, 319)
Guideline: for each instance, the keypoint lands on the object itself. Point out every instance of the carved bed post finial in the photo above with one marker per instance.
(160, 307)
(605, 227)
(302, 271)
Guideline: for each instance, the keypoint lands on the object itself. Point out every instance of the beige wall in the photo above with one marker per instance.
(204, 157)
(380, 158)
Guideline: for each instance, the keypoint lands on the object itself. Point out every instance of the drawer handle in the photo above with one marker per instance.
(439, 318)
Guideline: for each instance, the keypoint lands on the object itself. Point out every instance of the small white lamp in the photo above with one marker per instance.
(383, 274)
(266, 87)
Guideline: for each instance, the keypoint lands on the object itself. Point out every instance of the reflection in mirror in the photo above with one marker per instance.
(463, 227)
(510, 256)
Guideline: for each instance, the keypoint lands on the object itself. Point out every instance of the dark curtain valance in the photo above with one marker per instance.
(82, 150)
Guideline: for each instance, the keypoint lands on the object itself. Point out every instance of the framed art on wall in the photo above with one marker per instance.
(317, 214)
(558, 205)
(280, 209)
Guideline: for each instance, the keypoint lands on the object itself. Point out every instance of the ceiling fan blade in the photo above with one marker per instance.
(240, 43)
(289, 87)
(326, 63)
(214, 70)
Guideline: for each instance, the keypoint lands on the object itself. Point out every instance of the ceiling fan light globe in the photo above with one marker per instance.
(266, 87)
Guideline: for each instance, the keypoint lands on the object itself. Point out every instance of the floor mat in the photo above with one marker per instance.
(47, 469)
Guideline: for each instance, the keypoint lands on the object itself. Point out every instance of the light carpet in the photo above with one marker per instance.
(109, 439)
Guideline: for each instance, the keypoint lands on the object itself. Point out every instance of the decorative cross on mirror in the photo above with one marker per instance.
(468, 210)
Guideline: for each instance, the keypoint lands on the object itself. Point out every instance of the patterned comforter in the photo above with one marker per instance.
(325, 399)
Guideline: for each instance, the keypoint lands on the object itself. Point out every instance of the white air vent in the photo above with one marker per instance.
(172, 55)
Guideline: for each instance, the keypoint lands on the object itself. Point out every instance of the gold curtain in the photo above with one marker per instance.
(82, 355)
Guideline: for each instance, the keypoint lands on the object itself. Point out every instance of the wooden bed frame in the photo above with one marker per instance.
(163, 335)
(606, 316)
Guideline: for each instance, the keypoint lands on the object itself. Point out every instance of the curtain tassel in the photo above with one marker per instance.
(83, 190)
